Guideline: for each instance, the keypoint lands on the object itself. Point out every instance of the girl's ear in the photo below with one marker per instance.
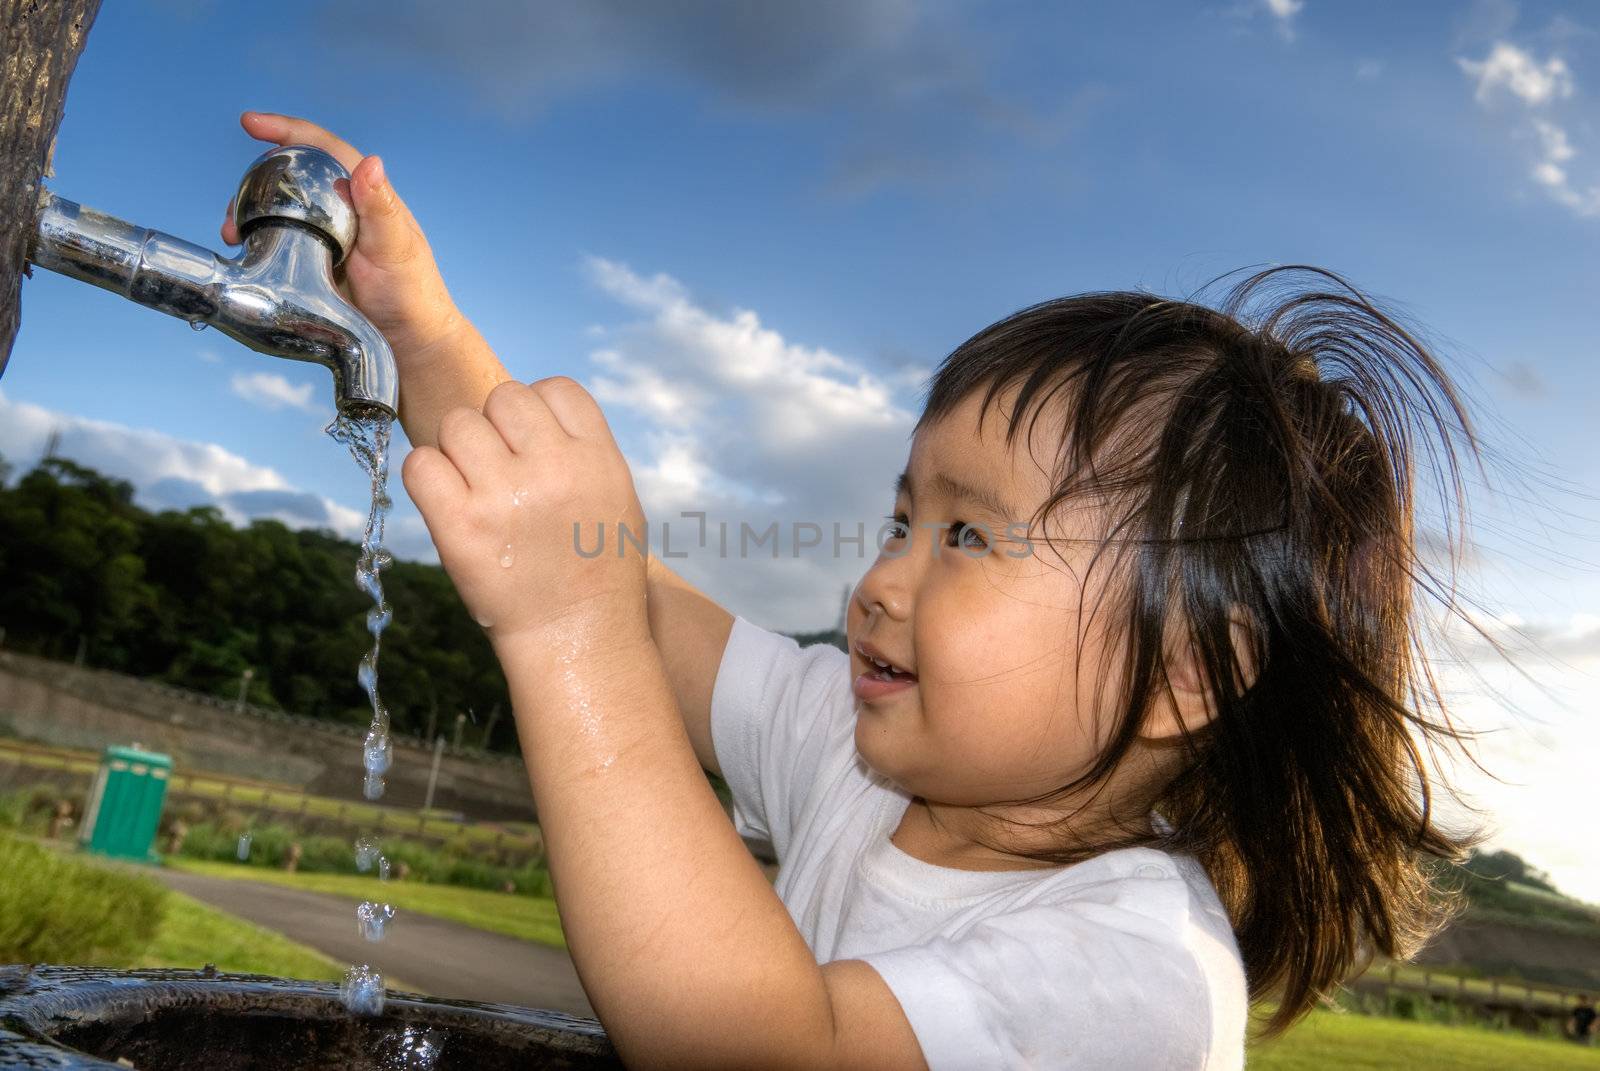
(1188, 703)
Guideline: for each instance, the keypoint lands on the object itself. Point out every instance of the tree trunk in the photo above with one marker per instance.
(39, 45)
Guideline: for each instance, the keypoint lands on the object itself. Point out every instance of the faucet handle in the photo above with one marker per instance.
(296, 182)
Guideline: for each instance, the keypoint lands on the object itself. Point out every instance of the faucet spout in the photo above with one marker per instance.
(277, 296)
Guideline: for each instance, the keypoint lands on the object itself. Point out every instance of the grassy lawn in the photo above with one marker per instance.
(526, 917)
(1329, 1040)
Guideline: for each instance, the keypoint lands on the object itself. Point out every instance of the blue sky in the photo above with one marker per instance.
(752, 236)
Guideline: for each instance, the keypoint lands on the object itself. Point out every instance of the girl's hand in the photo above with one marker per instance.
(390, 275)
(501, 495)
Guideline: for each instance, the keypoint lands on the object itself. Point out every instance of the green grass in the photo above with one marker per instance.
(528, 918)
(58, 907)
(1359, 1043)
(193, 935)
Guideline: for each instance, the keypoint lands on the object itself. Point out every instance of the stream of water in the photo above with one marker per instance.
(368, 441)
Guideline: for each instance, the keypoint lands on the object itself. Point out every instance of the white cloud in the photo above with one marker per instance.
(1511, 70)
(752, 428)
(272, 391)
(1284, 11)
(1550, 170)
(171, 473)
(1369, 69)
(1515, 71)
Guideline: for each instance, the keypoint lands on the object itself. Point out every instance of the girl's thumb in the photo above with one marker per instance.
(384, 235)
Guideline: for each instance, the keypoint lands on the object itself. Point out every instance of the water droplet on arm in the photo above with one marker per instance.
(508, 556)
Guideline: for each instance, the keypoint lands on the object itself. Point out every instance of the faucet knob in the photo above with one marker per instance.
(297, 182)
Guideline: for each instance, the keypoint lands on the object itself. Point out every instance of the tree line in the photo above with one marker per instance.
(184, 597)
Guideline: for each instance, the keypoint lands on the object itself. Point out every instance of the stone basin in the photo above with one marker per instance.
(166, 1020)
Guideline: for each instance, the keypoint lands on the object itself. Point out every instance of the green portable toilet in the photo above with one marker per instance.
(125, 803)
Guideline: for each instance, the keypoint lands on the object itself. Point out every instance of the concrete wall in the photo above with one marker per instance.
(65, 706)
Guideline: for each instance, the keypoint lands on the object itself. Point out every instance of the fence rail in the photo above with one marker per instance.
(72, 771)
(113, 688)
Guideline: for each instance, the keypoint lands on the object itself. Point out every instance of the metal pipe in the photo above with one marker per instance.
(277, 296)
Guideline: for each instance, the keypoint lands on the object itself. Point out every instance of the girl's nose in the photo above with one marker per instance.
(878, 593)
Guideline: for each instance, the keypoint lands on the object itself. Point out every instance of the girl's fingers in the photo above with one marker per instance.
(289, 130)
(431, 480)
(522, 418)
(387, 236)
(575, 408)
(471, 443)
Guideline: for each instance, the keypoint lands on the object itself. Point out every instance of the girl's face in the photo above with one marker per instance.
(1001, 635)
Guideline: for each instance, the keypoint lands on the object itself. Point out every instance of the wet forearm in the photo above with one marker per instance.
(459, 369)
(686, 952)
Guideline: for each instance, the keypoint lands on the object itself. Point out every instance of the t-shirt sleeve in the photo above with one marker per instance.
(1060, 986)
(779, 714)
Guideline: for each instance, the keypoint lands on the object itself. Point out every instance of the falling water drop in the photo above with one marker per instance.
(244, 847)
(362, 990)
(377, 754)
(373, 918)
(383, 868)
(366, 853)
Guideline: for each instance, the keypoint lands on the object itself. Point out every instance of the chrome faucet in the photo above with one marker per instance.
(277, 296)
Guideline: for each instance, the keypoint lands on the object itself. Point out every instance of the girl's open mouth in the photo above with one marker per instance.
(881, 679)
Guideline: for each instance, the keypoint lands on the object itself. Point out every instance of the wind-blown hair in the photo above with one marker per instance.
(1261, 460)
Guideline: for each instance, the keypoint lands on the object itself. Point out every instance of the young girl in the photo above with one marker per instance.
(1126, 736)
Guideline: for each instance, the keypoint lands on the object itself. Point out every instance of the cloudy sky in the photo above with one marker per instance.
(752, 231)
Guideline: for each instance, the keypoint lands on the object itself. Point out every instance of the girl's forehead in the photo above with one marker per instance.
(956, 444)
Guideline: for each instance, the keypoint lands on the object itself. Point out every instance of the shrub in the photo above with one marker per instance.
(269, 847)
(59, 910)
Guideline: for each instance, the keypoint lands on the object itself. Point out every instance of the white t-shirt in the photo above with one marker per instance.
(1126, 960)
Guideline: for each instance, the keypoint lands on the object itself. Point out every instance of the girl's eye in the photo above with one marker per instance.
(967, 536)
(897, 521)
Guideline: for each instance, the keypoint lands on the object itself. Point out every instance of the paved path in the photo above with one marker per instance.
(444, 959)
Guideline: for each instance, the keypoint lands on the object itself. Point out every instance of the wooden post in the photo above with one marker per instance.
(42, 42)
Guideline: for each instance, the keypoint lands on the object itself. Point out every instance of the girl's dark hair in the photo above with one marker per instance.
(1260, 459)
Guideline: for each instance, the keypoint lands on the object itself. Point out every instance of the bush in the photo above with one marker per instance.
(28, 810)
(58, 910)
(269, 847)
